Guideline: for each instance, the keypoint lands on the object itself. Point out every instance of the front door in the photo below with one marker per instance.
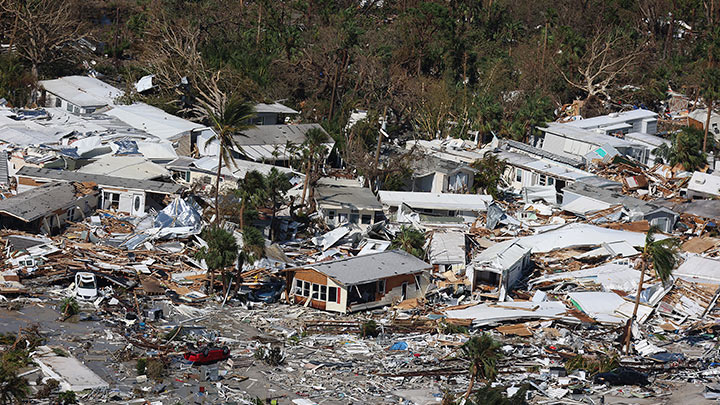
(138, 205)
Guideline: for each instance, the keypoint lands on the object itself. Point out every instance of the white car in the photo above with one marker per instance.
(85, 286)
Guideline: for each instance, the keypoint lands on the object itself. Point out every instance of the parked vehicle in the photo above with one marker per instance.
(85, 286)
(207, 355)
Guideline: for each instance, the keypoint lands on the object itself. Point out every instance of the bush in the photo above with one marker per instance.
(272, 357)
(591, 364)
(69, 306)
(48, 388)
(369, 329)
(67, 398)
(140, 366)
(155, 369)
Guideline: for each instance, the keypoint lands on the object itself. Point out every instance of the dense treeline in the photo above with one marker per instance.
(437, 67)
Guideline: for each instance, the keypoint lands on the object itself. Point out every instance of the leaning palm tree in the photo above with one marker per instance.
(229, 120)
(663, 256)
(483, 353)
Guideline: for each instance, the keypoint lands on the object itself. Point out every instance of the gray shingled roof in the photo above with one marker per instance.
(37, 202)
(108, 181)
(366, 268)
(276, 134)
(336, 194)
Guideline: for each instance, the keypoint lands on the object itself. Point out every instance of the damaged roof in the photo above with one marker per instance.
(340, 193)
(39, 201)
(442, 201)
(371, 267)
(82, 91)
(502, 255)
(107, 181)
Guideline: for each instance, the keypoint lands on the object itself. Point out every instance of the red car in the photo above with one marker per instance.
(208, 355)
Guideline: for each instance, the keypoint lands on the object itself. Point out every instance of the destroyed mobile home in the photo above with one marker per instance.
(331, 291)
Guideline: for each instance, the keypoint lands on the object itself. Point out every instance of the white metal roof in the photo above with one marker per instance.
(604, 121)
(447, 248)
(445, 201)
(501, 255)
(576, 235)
(131, 167)
(705, 183)
(543, 165)
(586, 136)
(609, 275)
(153, 120)
(699, 269)
(83, 91)
(156, 150)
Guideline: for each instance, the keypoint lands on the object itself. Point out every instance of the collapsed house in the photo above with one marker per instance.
(404, 205)
(500, 267)
(359, 283)
(600, 205)
(341, 201)
(48, 208)
(134, 197)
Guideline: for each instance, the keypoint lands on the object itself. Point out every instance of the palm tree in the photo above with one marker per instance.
(663, 256)
(488, 175)
(313, 151)
(410, 240)
(252, 192)
(13, 389)
(483, 353)
(686, 150)
(221, 252)
(276, 187)
(229, 120)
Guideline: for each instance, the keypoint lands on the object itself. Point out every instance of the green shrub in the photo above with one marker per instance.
(369, 329)
(140, 366)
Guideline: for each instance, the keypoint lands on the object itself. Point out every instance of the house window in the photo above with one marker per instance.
(137, 203)
(315, 291)
(333, 295)
(518, 174)
(58, 102)
(381, 286)
(331, 215)
(187, 176)
(323, 293)
(551, 181)
(306, 289)
(342, 218)
(543, 180)
(379, 216)
(417, 283)
(298, 287)
(71, 214)
(70, 107)
(354, 216)
(366, 219)
(111, 200)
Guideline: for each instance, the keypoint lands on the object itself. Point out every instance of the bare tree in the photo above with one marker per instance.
(606, 59)
(177, 63)
(42, 29)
